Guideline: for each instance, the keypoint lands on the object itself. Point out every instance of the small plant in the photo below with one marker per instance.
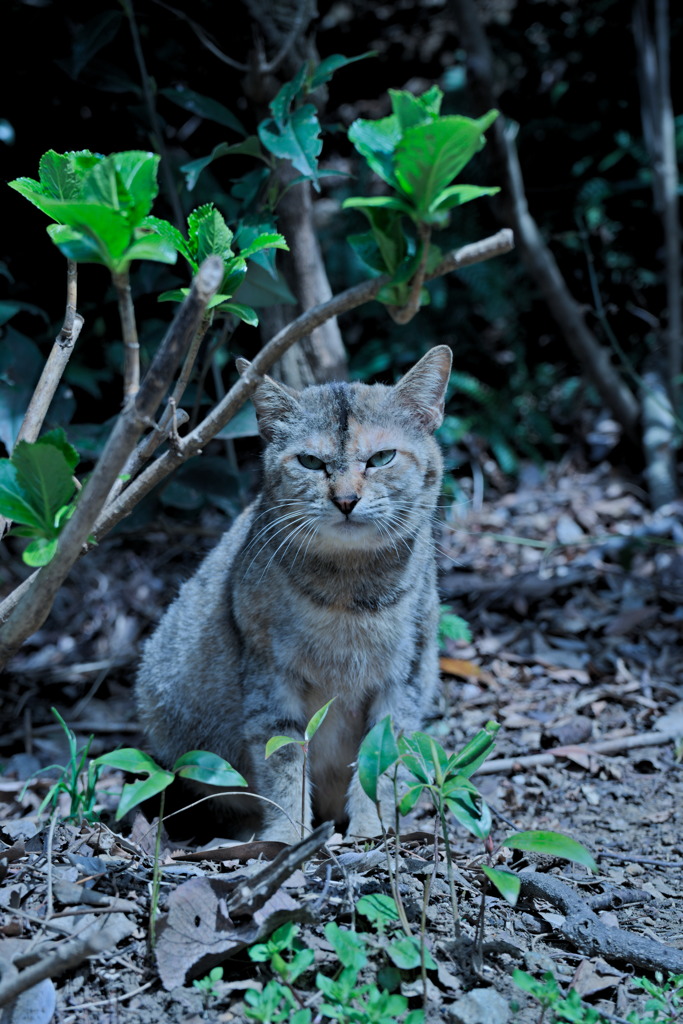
(207, 984)
(452, 627)
(665, 1005)
(276, 742)
(75, 780)
(199, 765)
(345, 998)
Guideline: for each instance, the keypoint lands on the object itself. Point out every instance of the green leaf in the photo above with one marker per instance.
(349, 946)
(327, 67)
(57, 438)
(151, 247)
(58, 175)
(125, 181)
(410, 110)
(208, 234)
(297, 139)
(39, 552)
(45, 476)
(410, 798)
(507, 883)
(250, 147)
(379, 908)
(275, 742)
(208, 768)
(76, 245)
(14, 501)
(474, 753)
(129, 759)
(317, 720)
(456, 195)
(244, 313)
(552, 844)
(271, 240)
(376, 141)
(423, 757)
(378, 752)
(388, 234)
(429, 156)
(107, 227)
(406, 954)
(283, 99)
(470, 811)
(205, 106)
(134, 793)
(172, 235)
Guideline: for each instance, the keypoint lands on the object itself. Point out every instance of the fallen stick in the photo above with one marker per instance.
(548, 757)
(591, 936)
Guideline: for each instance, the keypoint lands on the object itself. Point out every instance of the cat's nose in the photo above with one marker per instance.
(345, 502)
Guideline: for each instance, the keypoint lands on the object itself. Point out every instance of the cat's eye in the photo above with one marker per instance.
(382, 458)
(311, 462)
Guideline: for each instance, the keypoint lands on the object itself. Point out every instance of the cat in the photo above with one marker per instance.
(325, 586)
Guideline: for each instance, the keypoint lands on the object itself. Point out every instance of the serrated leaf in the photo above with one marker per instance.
(57, 438)
(208, 768)
(297, 139)
(552, 844)
(378, 752)
(276, 742)
(317, 720)
(208, 234)
(423, 757)
(58, 176)
(507, 883)
(172, 235)
(137, 170)
(283, 99)
(411, 110)
(429, 156)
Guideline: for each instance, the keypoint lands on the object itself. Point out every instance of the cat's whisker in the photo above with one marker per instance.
(287, 526)
(263, 532)
(288, 540)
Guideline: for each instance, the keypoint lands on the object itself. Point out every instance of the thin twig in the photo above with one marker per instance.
(131, 345)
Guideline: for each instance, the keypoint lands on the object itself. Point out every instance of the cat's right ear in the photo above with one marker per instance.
(274, 403)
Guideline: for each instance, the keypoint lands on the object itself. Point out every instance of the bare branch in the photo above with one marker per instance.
(33, 608)
(56, 362)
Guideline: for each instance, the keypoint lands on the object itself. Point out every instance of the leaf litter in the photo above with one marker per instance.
(572, 591)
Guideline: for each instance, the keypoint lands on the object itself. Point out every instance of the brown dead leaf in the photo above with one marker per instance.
(593, 976)
(463, 669)
(197, 932)
(239, 851)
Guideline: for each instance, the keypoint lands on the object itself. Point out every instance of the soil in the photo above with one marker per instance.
(572, 591)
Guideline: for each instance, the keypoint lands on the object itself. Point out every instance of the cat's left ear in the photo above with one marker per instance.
(274, 402)
(423, 389)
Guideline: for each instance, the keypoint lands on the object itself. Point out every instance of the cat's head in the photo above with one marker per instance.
(354, 465)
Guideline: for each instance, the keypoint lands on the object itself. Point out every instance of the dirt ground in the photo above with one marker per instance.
(572, 591)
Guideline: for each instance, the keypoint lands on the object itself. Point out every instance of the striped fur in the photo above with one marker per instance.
(324, 587)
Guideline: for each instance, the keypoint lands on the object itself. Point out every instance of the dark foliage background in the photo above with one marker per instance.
(568, 72)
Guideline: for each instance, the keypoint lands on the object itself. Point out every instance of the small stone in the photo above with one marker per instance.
(480, 1006)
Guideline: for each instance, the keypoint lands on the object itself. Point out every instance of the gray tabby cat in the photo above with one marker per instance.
(324, 587)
